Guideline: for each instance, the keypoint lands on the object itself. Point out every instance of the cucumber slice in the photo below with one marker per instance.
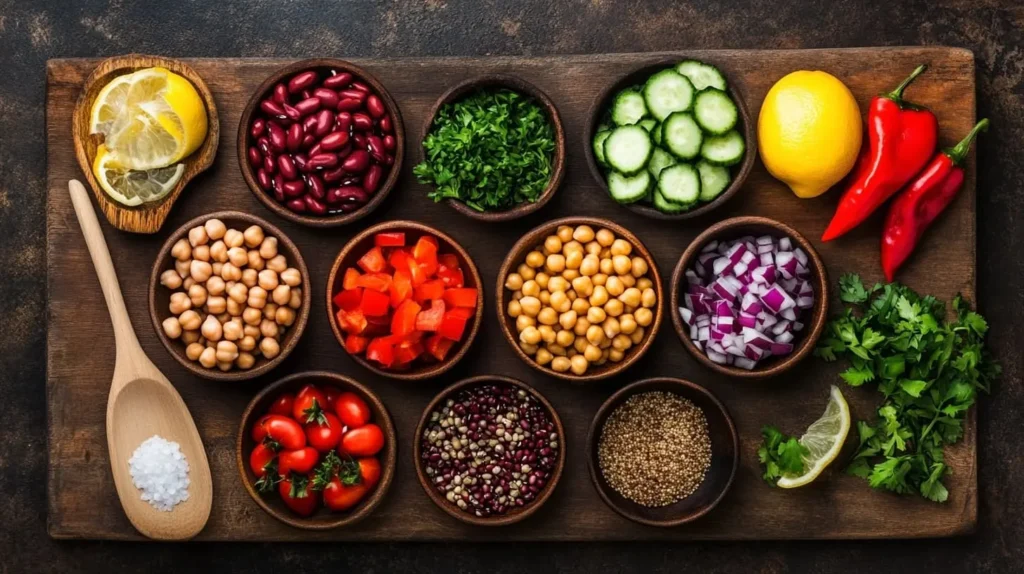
(627, 149)
(701, 75)
(660, 159)
(726, 149)
(680, 184)
(628, 108)
(713, 180)
(629, 189)
(665, 206)
(648, 124)
(715, 111)
(657, 132)
(682, 136)
(666, 92)
(599, 146)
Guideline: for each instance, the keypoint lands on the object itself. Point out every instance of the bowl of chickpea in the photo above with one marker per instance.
(229, 296)
(579, 298)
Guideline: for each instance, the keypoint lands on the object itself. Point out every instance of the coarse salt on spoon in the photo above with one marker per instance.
(143, 403)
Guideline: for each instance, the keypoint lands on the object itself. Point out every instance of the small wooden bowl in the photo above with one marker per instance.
(639, 76)
(264, 91)
(323, 519)
(517, 255)
(725, 457)
(734, 228)
(358, 245)
(516, 514)
(148, 217)
(515, 84)
(159, 296)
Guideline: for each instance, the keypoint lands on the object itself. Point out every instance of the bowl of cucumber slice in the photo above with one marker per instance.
(671, 140)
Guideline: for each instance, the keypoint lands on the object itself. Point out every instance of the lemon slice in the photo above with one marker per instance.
(133, 187)
(824, 439)
(151, 118)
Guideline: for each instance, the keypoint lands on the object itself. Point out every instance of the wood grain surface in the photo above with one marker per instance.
(80, 350)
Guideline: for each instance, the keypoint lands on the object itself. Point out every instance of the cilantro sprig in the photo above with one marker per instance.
(492, 150)
(929, 370)
(780, 454)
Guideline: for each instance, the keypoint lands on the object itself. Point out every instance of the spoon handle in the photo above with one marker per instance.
(124, 335)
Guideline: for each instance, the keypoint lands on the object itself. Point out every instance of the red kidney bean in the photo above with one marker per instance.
(257, 128)
(314, 149)
(348, 105)
(255, 157)
(349, 181)
(375, 106)
(361, 86)
(308, 106)
(371, 181)
(300, 162)
(296, 205)
(295, 135)
(264, 144)
(347, 194)
(291, 113)
(286, 164)
(376, 147)
(323, 160)
(307, 141)
(333, 175)
(340, 80)
(324, 120)
(316, 186)
(343, 120)
(314, 205)
(356, 162)
(306, 94)
(360, 140)
(278, 139)
(278, 182)
(263, 178)
(309, 124)
(334, 140)
(280, 94)
(302, 80)
(350, 207)
(390, 143)
(269, 165)
(389, 160)
(385, 124)
(362, 122)
(329, 98)
(272, 108)
(343, 152)
(293, 188)
(351, 94)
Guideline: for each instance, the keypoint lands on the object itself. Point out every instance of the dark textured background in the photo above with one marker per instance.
(30, 33)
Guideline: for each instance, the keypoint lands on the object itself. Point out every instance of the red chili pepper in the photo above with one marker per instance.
(925, 198)
(902, 137)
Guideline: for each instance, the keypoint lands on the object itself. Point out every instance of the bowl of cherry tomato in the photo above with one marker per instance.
(316, 450)
(404, 300)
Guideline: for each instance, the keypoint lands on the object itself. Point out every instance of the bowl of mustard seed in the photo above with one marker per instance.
(662, 451)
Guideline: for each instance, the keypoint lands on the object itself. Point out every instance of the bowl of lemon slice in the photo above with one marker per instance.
(144, 126)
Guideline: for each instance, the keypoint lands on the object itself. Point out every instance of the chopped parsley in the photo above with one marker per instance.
(780, 454)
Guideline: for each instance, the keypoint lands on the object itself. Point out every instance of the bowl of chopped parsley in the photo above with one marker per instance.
(493, 148)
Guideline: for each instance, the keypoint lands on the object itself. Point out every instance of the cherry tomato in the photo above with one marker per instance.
(283, 431)
(260, 459)
(324, 436)
(299, 461)
(364, 441)
(282, 405)
(338, 496)
(258, 432)
(297, 495)
(369, 472)
(308, 403)
(352, 410)
(331, 394)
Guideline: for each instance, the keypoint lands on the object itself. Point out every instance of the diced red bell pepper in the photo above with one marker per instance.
(438, 346)
(450, 276)
(381, 351)
(430, 319)
(379, 282)
(375, 303)
(349, 281)
(403, 321)
(377, 326)
(408, 351)
(426, 246)
(452, 327)
(348, 299)
(353, 321)
(449, 260)
(399, 259)
(401, 287)
(417, 272)
(460, 297)
(433, 289)
(462, 312)
(415, 336)
(389, 239)
(373, 261)
(356, 344)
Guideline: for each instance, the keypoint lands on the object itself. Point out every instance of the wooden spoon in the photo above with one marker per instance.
(142, 403)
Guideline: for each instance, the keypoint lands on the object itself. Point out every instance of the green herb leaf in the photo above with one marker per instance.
(780, 454)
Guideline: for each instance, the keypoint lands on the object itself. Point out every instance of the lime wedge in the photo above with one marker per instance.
(824, 440)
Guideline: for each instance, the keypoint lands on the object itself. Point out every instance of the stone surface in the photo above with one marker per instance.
(32, 32)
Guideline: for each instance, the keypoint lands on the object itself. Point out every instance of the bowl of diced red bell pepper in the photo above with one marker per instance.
(404, 300)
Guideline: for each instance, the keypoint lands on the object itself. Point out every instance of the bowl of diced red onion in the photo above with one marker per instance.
(749, 297)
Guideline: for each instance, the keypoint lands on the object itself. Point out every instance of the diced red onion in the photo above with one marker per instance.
(687, 315)
(744, 363)
(711, 246)
(785, 244)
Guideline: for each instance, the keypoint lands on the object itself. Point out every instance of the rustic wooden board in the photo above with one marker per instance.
(82, 502)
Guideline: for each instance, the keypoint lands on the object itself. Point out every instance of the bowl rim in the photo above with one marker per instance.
(428, 371)
(819, 313)
(530, 239)
(517, 84)
(516, 515)
(269, 202)
(598, 107)
(294, 332)
(636, 387)
(388, 465)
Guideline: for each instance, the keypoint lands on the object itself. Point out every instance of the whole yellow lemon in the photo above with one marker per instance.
(809, 131)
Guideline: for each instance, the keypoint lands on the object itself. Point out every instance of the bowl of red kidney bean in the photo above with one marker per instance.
(489, 450)
(321, 142)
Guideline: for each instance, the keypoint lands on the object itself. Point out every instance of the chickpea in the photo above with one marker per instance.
(232, 330)
(215, 229)
(530, 336)
(611, 327)
(268, 280)
(571, 353)
(249, 278)
(599, 297)
(224, 366)
(614, 286)
(614, 307)
(257, 297)
(215, 286)
(583, 286)
(579, 364)
(182, 268)
(528, 349)
(564, 338)
(621, 247)
(223, 318)
(622, 264)
(621, 342)
(189, 337)
(268, 249)
(172, 328)
(208, 358)
(595, 334)
(270, 311)
(638, 267)
(238, 256)
(596, 314)
(234, 308)
(648, 298)
(514, 309)
(644, 284)
(295, 299)
(631, 297)
(591, 353)
(581, 305)
(583, 234)
(605, 237)
(553, 244)
(277, 263)
(202, 253)
(564, 233)
(547, 316)
(268, 328)
(559, 302)
(212, 329)
(216, 305)
(567, 320)
(170, 279)
(523, 321)
(606, 343)
(545, 298)
(637, 335)
(561, 364)
(190, 320)
(254, 261)
(530, 306)
(628, 280)
(542, 280)
(233, 238)
(570, 274)
(179, 303)
(181, 250)
(200, 270)
(226, 352)
(526, 272)
(514, 282)
(590, 265)
(593, 248)
(253, 236)
(197, 294)
(291, 277)
(543, 356)
(627, 324)
(230, 272)
(193, 350)
(218, 268)
(247, 343)
(605, 265)
(557, 283)
(197, 236)
(535, 259)
(245, 361)
(251, 331)
(600, 279)
(615, 355)
(238, 293)
(547, 334)
(643, 317)
(270, 348)
(285, 316)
